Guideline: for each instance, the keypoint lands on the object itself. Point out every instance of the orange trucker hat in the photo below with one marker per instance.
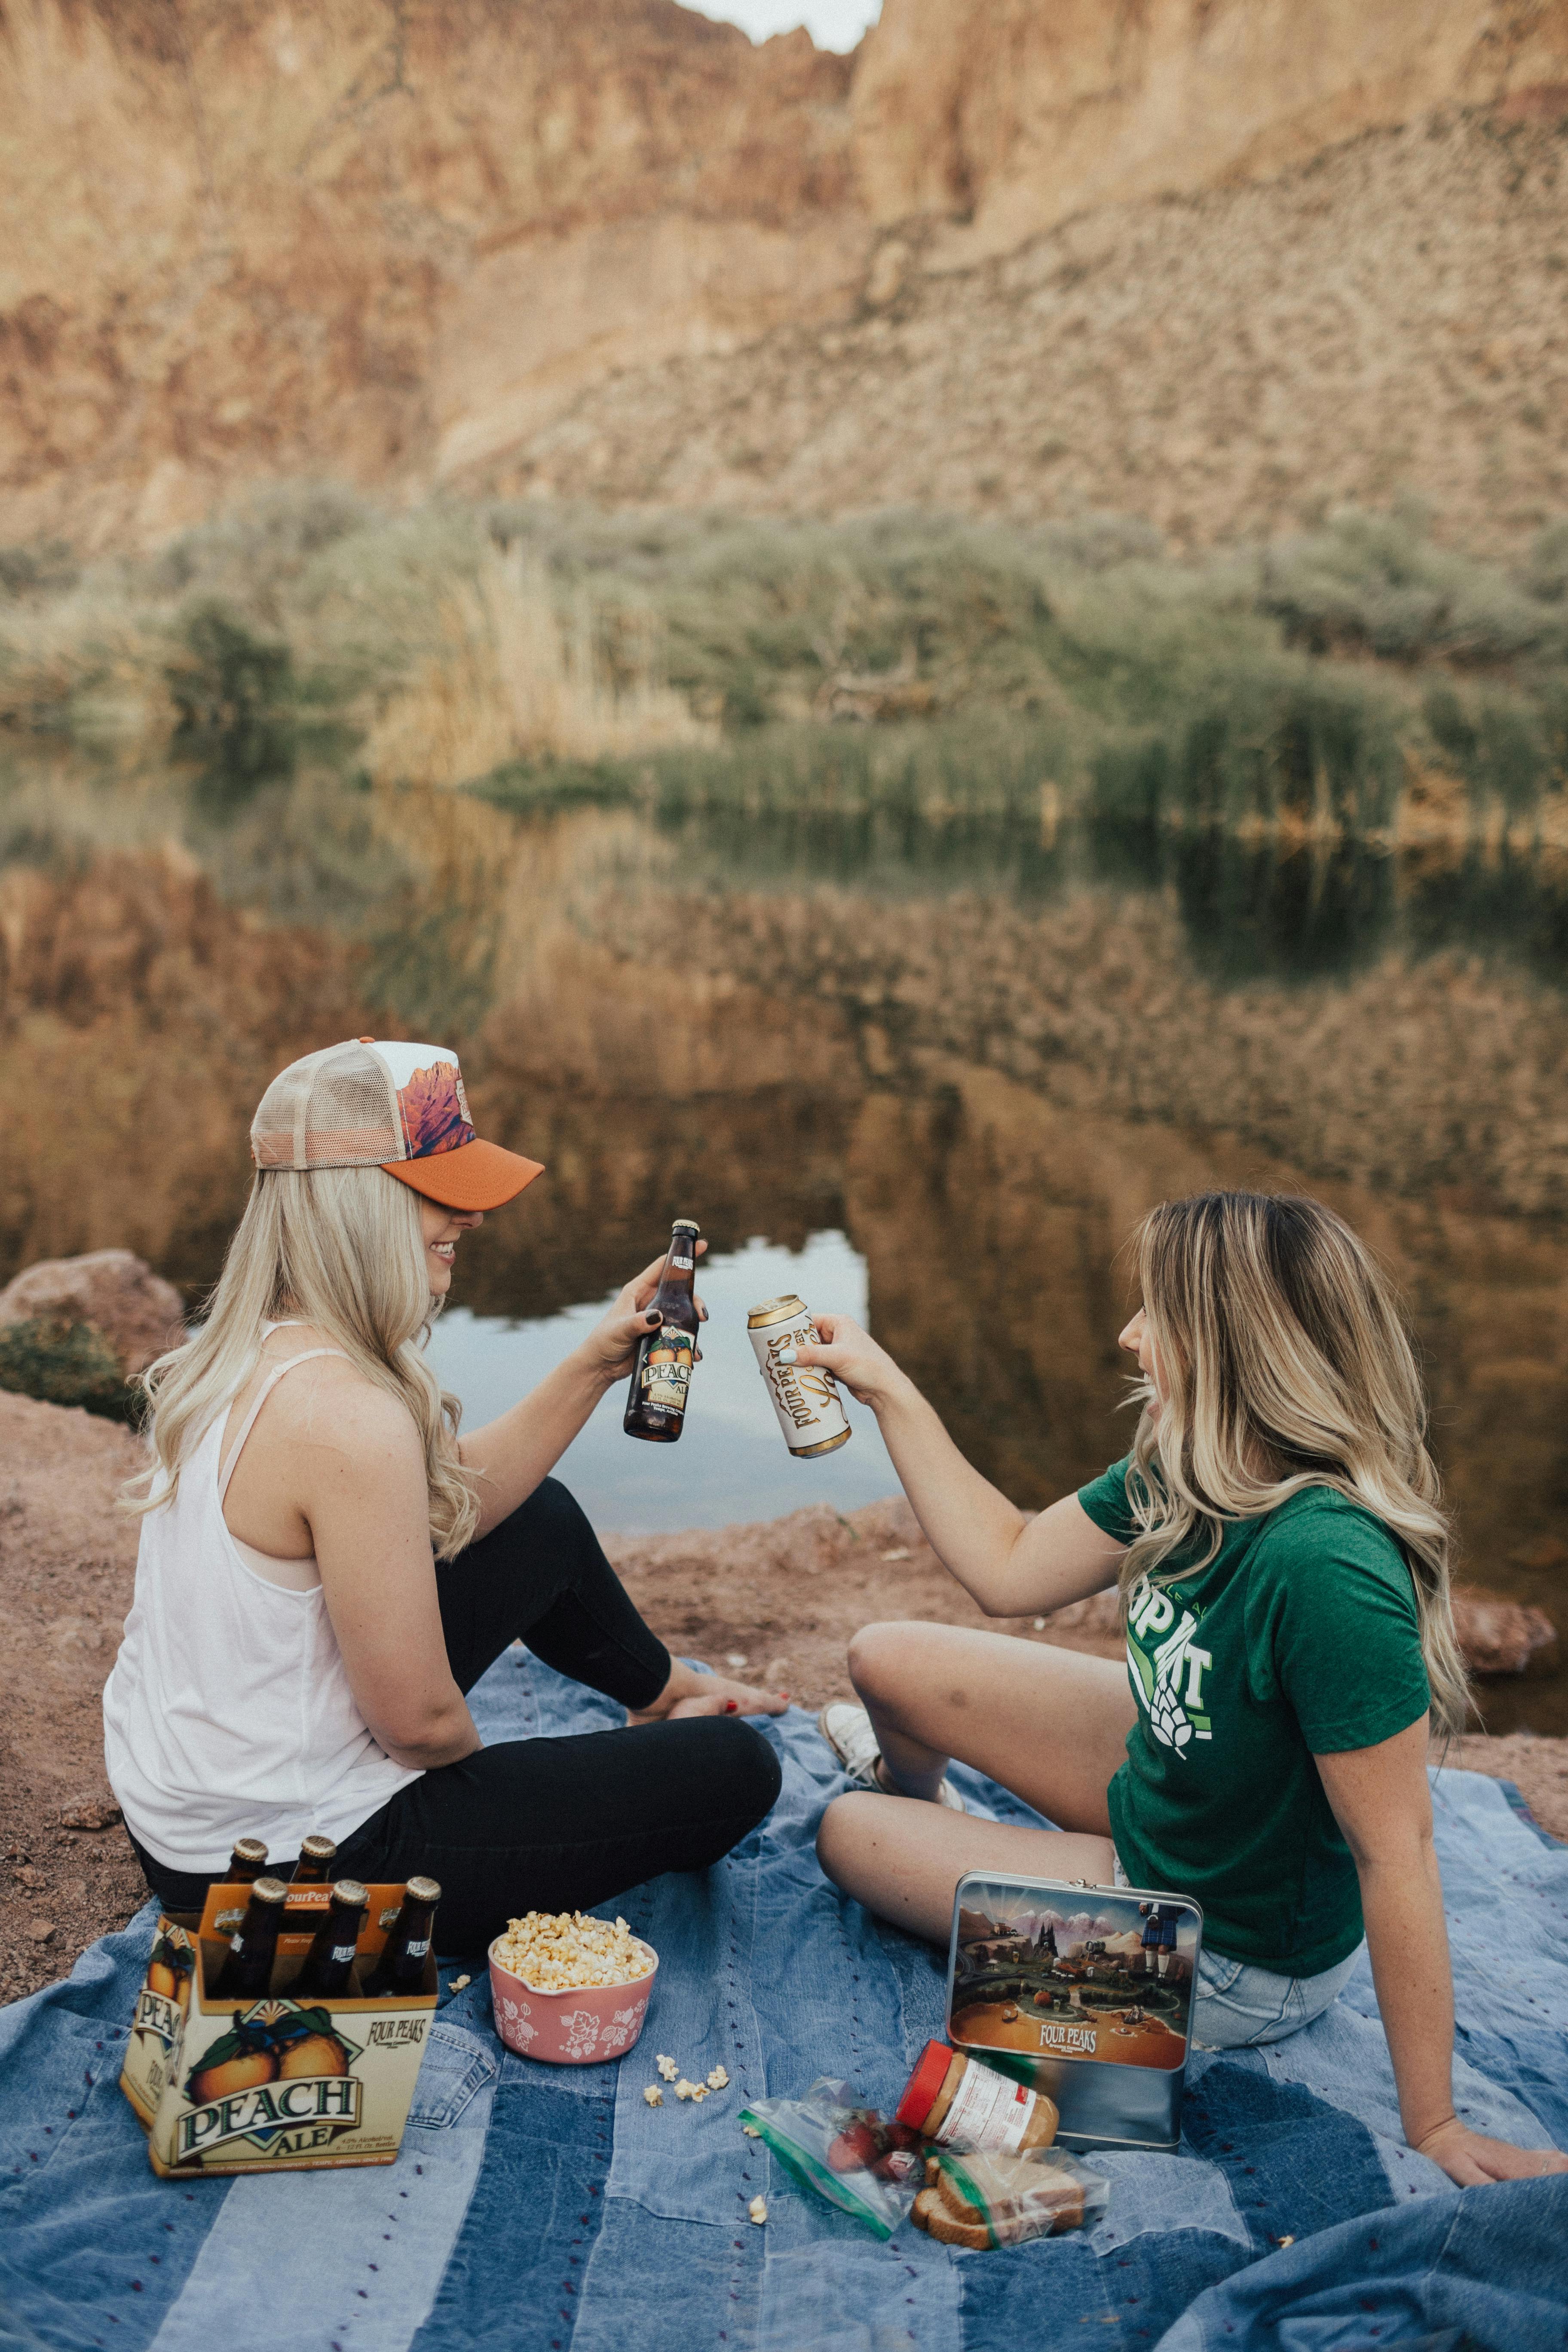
(373, 1102)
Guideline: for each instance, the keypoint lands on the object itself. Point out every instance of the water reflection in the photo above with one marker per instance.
(1260, 911)
(732, 1462)
(976, 1050)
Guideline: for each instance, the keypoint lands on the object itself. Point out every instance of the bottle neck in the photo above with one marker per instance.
(413, 1927)
(678, 1279)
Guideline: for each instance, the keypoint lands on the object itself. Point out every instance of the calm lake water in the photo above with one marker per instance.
(732, 1462)
(930, 1072)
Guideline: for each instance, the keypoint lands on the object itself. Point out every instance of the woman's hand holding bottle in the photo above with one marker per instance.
(610, 1348)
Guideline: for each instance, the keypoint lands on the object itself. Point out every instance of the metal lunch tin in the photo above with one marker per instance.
(1084, 1992)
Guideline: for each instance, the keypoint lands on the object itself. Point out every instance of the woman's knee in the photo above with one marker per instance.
(840, 1836)
(756, 1767)
(731, 1762)
(884, 1660)
(553, 1511)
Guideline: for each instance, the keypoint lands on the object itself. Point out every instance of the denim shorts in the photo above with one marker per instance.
(1237, 2006)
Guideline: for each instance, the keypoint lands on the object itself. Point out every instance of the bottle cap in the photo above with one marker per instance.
(268, 1890)
(423, 1890)
(250, 1849)
(920, 2092)
(685, 1226)
(319, 1848)
(349, 1890)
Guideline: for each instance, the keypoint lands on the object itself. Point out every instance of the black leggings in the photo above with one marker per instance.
(551, 1824)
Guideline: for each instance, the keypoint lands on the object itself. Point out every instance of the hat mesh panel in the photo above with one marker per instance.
(337, 1108)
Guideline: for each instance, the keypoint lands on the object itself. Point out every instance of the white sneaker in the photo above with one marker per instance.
(847, 1731)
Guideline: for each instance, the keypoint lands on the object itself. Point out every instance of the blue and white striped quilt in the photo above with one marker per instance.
(549, 2210)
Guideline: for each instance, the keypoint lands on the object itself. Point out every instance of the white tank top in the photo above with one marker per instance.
(229, 1712)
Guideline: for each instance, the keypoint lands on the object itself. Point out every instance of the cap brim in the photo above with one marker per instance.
(475, 1176)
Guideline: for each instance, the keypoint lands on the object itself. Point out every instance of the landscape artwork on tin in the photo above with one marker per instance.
(1049, 1968)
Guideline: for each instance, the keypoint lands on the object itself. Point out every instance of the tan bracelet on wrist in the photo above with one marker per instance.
(1419, 2143)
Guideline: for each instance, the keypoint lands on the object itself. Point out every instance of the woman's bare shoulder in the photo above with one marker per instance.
(332, 1399)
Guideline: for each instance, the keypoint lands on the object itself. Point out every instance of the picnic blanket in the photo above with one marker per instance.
(549, 2210)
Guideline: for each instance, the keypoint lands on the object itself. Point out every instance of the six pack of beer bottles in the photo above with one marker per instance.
(397, 1972)
(283, 2025)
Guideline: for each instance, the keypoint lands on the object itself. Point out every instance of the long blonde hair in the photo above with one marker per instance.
(1284, 1364)
(342, 1249)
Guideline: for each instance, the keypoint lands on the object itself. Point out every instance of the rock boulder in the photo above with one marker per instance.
(137, 1311)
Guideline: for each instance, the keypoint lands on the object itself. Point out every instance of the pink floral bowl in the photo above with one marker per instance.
(580, 2028)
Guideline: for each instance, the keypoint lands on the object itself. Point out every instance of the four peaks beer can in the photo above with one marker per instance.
(806, 1398)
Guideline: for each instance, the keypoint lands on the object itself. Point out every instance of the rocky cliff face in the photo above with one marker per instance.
(378, 238)
(999, 119)
(610, 246)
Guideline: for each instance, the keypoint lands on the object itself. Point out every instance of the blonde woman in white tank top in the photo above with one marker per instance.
(326, 1569)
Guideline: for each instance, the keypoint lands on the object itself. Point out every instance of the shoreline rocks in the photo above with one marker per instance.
(133, 1309)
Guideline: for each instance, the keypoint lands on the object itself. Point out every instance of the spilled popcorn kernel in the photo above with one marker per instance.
(718, 2080)
(654, 2096)
(685, 2090)
(758, 2210)
(752, 2131)
(667, 2067)
(1284, 2242)
(458, 1983)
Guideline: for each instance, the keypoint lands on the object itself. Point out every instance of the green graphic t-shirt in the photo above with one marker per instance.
(1299, 1638)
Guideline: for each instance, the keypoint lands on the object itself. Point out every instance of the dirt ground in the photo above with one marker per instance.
(783, 1597)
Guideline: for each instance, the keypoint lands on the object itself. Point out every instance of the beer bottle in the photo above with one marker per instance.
(246, 1972)
(656, 1402)
(332, 1956)
(400, 1970)
(246, 1863)
(314, 1867)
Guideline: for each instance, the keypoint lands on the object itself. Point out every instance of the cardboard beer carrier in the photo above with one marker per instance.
(270, 2084)
(1084, 1992)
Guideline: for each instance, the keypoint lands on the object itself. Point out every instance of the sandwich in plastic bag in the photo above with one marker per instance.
(983, 2202)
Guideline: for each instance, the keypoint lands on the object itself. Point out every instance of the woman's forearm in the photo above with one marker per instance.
(523, 1445)
(1402, 1902)
(970, 1526)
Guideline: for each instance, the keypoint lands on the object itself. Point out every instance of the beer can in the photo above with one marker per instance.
(806, 1398)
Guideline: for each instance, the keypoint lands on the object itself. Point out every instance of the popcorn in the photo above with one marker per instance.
(758, 2210)
(752, 2131)
(654, 2096)
(685, 2090)
(568, 1952)
(718, 2080)
(459, 1984)
(667, 2067)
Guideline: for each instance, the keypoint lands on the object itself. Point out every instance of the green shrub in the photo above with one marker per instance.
(234, 691)
(65, 1364)
(1504, 749)
(1379, 582)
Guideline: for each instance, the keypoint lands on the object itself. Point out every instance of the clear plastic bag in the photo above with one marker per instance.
(863, 2162)
(984, 2201)
(878, 2171)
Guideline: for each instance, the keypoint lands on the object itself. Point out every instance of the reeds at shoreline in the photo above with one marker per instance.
(908, 662)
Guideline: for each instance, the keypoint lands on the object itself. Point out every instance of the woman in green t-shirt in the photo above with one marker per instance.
(1278, 1538)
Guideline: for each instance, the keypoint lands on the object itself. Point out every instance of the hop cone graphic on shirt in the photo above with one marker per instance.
(1167, 1718)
